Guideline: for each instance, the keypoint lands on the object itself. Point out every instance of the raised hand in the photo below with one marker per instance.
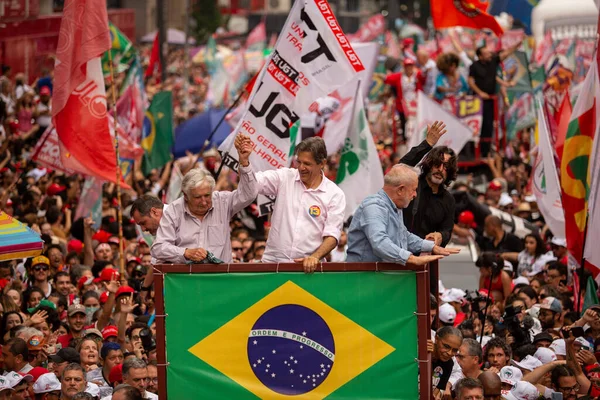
(113, 285)
(243, 145)
(127, 304)
(434, 132)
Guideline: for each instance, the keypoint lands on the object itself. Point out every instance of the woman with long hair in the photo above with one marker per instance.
(532, 254)
(449, 83)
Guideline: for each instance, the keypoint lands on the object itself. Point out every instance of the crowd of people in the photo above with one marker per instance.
(74, 327)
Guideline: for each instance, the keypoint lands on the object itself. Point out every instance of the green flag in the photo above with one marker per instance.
(157, 132)
(122, 51)
(292, 336)
(591, 297)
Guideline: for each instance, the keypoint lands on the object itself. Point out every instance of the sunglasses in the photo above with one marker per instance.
(237, 248)
(40, 268)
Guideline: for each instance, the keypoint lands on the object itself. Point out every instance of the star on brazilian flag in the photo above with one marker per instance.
(291, 335)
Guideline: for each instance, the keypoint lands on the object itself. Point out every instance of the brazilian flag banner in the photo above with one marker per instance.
(342, 335)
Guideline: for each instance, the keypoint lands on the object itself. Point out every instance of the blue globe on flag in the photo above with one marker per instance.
(291, 349)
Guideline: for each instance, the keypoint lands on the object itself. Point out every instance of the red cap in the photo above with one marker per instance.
(116, 374)
(101, 236)
(104, 298)
(408, 42)
(409, 61)
(107, 274)
(75, 245)
(467, 218)
(494, 185)
(45, 91)
(124, 290)
(110, 331)
(55, 189)
(142, 241)
(84, 280)
(134, 259)
(113, 240)
(36, 372)
(9, 202)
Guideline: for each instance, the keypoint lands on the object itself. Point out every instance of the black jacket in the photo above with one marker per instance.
(435, 211)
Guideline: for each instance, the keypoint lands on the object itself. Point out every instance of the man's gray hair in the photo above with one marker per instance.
(133, 363)
(195, 178)
(400, 174)
(473, 348)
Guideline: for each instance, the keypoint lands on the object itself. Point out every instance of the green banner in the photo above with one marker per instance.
(157, 132)
(291, 335)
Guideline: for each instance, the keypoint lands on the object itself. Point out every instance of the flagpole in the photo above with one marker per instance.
(119, 208)
(353, 109)
(579, 303)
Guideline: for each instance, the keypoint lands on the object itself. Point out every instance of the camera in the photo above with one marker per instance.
(518, 330)
(475, 298)
(148, 341)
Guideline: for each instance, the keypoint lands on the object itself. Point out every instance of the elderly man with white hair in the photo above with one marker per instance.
(198, 222)
(377, 231)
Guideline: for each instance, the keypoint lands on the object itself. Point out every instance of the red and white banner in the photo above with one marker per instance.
(512, 38)
(312, 58)
(543, 50)
(130, 113)
(47, 152)
(79, 110)
(257, 38)
(374, 27)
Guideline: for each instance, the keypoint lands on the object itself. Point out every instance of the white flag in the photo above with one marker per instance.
(546, 186)
(428, 111)
(312, 58)
(359, 173)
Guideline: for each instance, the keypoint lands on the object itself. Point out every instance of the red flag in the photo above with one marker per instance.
(467, 13)
(257, 35)
(563, 117)
(79, 99)
(154, 59)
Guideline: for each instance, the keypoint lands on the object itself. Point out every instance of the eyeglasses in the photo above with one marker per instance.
(237, 248)
(552, 276)
(570, 388)
(39, 268)
(446, 165)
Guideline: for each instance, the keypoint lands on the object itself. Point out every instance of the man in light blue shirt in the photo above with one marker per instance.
(377, 232)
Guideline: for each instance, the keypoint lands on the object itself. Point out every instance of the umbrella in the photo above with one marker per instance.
(192, 134)
(174, 36)
(17, 240)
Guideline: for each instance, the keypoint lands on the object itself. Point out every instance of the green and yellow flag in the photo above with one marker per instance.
(122, 51)
(157, 132)
(291, 336)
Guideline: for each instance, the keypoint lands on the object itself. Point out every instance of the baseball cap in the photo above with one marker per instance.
(46, 383)
(109, 331)
(124, 290)
(104, 298)
(543, 336)
(505, 200)
(40, 260)
(75, 245)
(35, 343)
(142, 241)
(36, 372)
(495, 185)
(559, 347)
(510, 375)
(101, 236)
(529, 363)
(521, 279)
(44, 91)
(113, 240)
(552, 304)
(409, 61)
(447, 313)
(66, 354)
(116, 374)
(75, 308)
(558, 241)
(4, 384)
(522, 391)
(44, 302)
(107, 274)
(408, 41)
(507, 266)
(585, 345)
(55, 189)
(133, 259)
(467, 218)
(92, 331)
(83, 281)
(453, 295)
(15, 378)
(545, 355)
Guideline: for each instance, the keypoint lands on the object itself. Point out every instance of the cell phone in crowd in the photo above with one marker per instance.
(556, 396)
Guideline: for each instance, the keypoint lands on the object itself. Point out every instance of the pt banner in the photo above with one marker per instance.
(290, 336)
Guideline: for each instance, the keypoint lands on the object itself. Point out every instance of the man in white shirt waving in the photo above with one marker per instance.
(308, 214)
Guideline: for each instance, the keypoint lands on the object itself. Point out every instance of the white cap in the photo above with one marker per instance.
(447, 313)
(545, 355)
(559, 241)
(505, 200)
(584, 344)
(522, 391)
(521, 279)
(540, 263)
(508, 266)
(15, 378)
(5, 384)
(559, 347)
(529, 363)
(510, 375)
(92, 389)
(46, 383)
(453, 295)
(530, 199)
